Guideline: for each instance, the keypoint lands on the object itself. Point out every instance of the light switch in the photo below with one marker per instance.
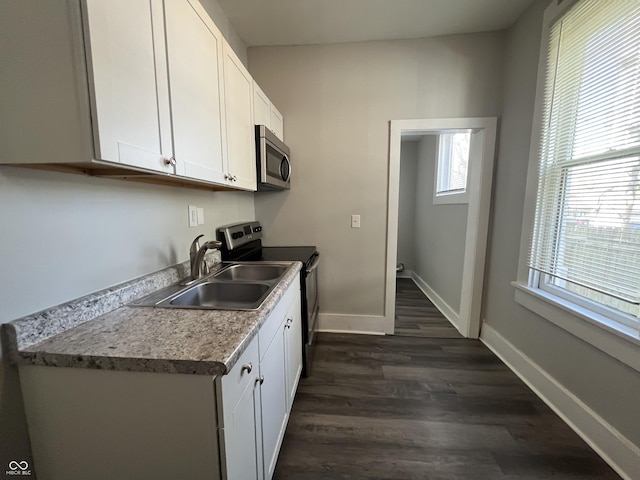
(200, 216)
(193, 216)
(355, 221)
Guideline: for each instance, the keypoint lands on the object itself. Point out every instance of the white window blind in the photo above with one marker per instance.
(453, 162)
(586, 236)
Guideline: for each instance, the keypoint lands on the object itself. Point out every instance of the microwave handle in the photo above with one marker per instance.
(286, 159)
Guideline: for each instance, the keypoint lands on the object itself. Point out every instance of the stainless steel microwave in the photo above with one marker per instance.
(273, 161)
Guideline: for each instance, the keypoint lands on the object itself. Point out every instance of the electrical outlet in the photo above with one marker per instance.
(200, 216)
(193, 216)
(355, 221)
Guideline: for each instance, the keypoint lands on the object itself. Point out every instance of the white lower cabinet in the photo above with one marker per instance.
(241, 412)
(105, 424)
(293, 349)
(274, 379)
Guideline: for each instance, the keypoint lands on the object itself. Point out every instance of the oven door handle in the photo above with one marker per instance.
(314, 265)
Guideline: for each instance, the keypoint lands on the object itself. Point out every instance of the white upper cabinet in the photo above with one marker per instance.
(277, 122)
(194, 50)
(128, 83)
(140, 89)
(238, 101)
(265, 112)
(261, 107)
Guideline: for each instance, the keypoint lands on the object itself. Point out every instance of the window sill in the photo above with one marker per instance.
(615, 340)
(451, 198)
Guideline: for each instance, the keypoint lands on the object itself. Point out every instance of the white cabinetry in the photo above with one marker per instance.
(125, 88)
(238, 102)
(277, 122)
(265, 112)
(275, 414)
(194, 50)
(280, 367)
(128, 77)
(164, 425)
(293, 349)
(242, 414)
(261, 107)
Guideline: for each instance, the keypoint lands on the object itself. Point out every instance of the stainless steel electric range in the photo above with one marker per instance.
(243, 242)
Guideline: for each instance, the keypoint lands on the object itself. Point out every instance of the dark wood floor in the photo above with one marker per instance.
(416, 316)
(392, 407)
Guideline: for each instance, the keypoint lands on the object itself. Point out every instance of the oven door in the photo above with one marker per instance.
(311, 286)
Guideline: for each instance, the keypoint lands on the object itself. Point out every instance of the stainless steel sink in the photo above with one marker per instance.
(252, 272)
(222, 295)
(232, 286)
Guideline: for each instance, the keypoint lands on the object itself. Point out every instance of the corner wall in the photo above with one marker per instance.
(601, 391)
(440, 233)
(337, 101)
(407, 204)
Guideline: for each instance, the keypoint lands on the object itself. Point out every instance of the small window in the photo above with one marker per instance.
(452, 167)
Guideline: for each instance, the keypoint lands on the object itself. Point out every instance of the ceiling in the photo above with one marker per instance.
(309, 22)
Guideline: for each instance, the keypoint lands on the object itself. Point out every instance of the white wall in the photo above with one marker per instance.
(337, 101)
(63, 236)
(605, 385)
(66, 235)
(407, 203)
(439, 232)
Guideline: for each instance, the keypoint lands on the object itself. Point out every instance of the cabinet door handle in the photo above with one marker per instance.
(170, 161)
(248, 368)
(289, 322)
(260, 379)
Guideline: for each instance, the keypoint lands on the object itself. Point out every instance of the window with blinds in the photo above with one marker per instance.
(586, 235)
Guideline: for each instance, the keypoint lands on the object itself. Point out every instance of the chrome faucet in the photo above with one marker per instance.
(196, 255)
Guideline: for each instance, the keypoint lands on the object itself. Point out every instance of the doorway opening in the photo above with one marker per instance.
(460, 258)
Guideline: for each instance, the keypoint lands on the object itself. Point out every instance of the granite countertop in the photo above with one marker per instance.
(149, 339)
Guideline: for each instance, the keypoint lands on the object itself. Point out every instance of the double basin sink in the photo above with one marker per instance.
(232, 286)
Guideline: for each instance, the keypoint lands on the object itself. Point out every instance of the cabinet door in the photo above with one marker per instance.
(274, 402)
(194, 50)
(277, 122)
(261, 107)
(128, 82)
(293, 349)
(238, 101)
(242, 421)
(242, 436)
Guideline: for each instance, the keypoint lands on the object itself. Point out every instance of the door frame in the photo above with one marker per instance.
(480, 181)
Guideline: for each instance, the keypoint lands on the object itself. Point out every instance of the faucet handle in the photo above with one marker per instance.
(213, 244)
(195, 245)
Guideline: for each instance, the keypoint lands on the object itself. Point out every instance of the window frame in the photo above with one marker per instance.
(452, 197)
(593, 323)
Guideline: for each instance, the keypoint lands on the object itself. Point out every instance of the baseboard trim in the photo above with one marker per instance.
(405, 274)
(341, 323)
(449, 313)
(617, 450)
